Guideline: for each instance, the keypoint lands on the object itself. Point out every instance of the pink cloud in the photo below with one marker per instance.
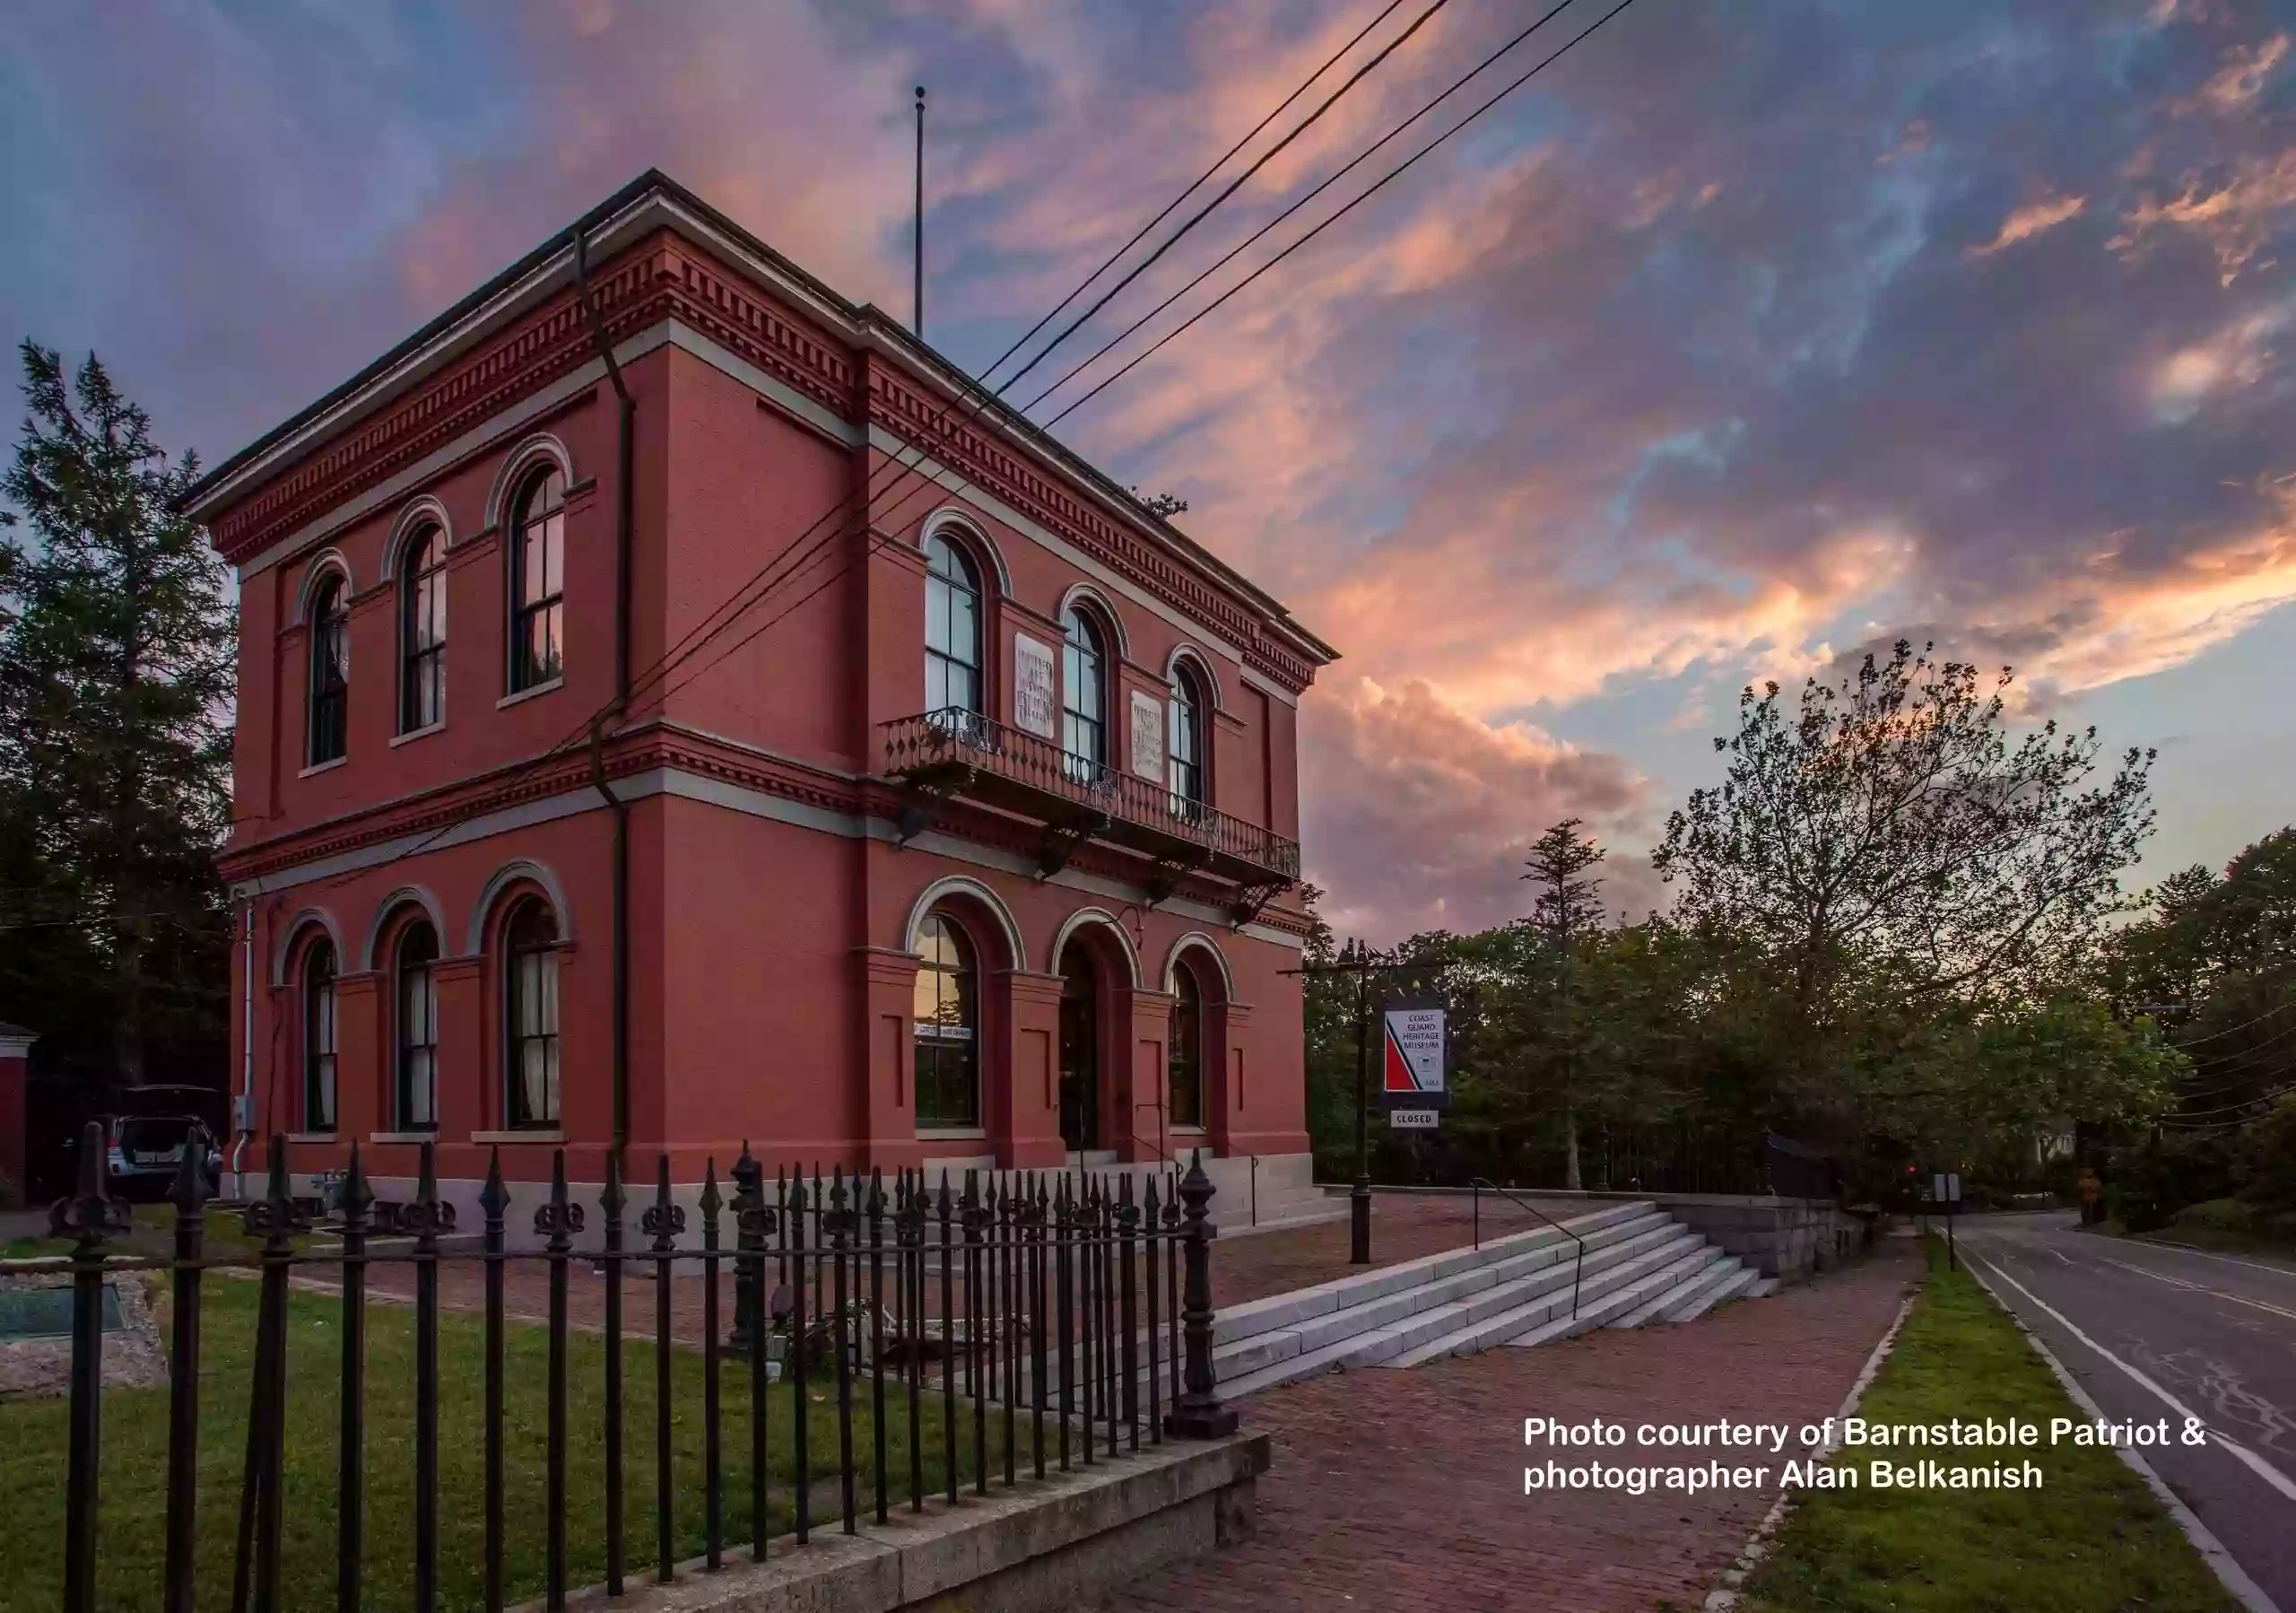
(1420, 814)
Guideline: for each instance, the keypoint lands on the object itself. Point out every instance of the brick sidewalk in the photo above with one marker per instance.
(1402, 1490)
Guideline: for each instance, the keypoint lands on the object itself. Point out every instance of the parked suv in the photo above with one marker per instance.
(144, 1139)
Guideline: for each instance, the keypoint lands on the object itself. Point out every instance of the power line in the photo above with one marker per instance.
(1457, 85)
(980, 397)
(1394, 173)
(1265, 158)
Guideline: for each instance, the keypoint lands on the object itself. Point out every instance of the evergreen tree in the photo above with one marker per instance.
(116, 651)
(1568, 905)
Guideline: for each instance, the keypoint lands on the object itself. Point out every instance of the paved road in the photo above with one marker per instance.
(2142, 1325)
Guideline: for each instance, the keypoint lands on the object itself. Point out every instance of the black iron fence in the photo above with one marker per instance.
(1051, 1321)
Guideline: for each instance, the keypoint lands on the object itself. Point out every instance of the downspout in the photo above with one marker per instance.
(623, 496)
(243, 1111)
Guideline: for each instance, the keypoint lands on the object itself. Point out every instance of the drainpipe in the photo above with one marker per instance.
(243, 1110)
(620, 808)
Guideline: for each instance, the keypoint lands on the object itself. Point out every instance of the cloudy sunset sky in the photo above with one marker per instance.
(1741, 337)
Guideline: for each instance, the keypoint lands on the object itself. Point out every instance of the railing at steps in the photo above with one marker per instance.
(1579, 1264)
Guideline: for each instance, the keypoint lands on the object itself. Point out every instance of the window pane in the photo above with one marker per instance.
(553, 560)
(530, 568)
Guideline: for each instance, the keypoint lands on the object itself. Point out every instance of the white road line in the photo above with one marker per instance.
(2263, 1469)
(2208, 1254)
(2178, 1282)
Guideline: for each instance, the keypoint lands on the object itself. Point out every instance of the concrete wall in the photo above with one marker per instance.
(1790, 1239)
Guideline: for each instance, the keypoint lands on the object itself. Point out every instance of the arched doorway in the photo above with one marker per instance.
(1080, 1049)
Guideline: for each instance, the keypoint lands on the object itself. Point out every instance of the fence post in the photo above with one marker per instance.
(351, 1477)
(614, 1199)
(189, 1195)
(494, 1205)
(90, 1218)
(664, 1222)
(1199, 1413)
(429, 1216)
(557, 1221)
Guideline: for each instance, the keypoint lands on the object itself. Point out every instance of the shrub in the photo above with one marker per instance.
(2216, 1215)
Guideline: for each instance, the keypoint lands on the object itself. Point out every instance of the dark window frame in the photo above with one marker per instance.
(1189, 776)
(422, 605)
(414, 1062)
(955, 677)
(544, 615)
(1184, 1067)
(1085, 649)
(944, 1063)
(530, 958)
(322, 1067)
(329, 728)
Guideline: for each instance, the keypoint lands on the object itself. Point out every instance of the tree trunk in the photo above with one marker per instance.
(1570, 1177)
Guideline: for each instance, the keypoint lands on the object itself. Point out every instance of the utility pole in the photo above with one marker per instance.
(1363, 963)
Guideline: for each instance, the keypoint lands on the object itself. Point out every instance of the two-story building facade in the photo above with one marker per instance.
(678, 710)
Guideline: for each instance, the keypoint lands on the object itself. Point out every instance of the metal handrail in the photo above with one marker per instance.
(1579, 1264)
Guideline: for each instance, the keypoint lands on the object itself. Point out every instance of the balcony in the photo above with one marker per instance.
(955, 752)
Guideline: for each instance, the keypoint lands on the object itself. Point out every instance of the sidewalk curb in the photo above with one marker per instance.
(1725, 1596)
(2234, 1579)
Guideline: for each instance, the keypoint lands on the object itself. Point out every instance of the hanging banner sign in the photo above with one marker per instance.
(1417, 1056)
(1147, 735)
(1035, 708)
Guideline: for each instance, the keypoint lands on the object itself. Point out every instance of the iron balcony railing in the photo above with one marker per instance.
(961, 752)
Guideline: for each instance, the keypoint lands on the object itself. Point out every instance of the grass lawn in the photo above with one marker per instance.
(2092, 1539)
(34, 1443)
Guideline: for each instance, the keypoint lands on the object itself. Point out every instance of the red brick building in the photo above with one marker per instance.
(757, 736)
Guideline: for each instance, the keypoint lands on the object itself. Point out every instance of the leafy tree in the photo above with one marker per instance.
(1890, 820)
(116, 653)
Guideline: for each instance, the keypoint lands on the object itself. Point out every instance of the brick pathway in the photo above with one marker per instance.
(1402, 1490)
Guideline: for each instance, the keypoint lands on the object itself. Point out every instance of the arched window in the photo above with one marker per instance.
(422, 632)
(318, 1036)
(530, 1016)
(1184, 1064)
(1083, 697)
(538, 581)
(1185, 746)
(330, 670)
(951, 628)
(945, 1008)
(417, 1062)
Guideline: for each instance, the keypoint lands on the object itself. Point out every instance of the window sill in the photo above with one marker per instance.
(952, 1134)
(312, 1137)
(526, 695)
(404, 1136)
(413, 734)
(1188, 1131)
(321, 767)
(536, 1136)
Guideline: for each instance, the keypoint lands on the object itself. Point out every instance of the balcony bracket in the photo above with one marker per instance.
(1251, 899)
(1166, 876)
(1062, 836)
(922, 797)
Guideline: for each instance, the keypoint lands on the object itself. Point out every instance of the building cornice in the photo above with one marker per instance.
(662, 255)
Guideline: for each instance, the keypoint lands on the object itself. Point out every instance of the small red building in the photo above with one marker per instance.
(677, 709)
